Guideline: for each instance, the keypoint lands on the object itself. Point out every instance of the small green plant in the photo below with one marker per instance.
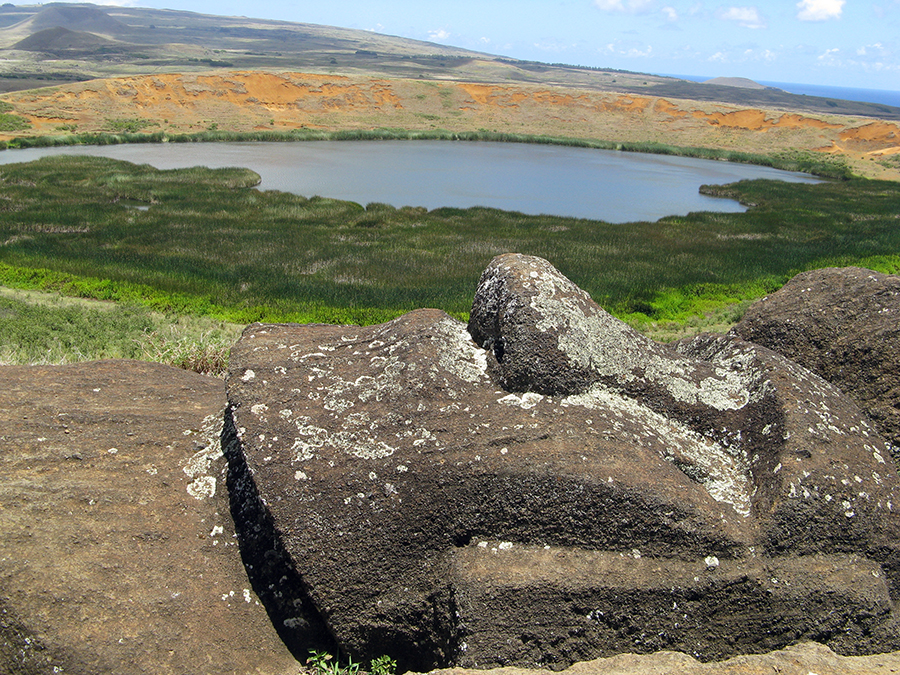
(206, 354)
(10, 122)
(324, 663)
(321, 662)
(383, 665)
(129, 126)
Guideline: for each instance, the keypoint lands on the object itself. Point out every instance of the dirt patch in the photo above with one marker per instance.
(760, 120)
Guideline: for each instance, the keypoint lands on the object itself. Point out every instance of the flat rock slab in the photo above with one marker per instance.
(117, 548)
(808, 658)
(389, 458)
(844, 325)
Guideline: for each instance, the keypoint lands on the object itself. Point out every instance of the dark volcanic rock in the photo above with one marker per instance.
(843, 324)
(560, 487)
(117, 548)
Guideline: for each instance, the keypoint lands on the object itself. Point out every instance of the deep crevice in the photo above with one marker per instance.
(278, 584)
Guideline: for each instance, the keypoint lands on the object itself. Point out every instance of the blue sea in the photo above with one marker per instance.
(845, 93)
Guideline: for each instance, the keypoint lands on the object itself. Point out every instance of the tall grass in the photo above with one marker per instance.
(49, 330)
(208, 245)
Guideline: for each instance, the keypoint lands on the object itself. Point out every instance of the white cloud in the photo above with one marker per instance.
(553, 46)
(639, 53)
(747, 54)
(748, 17)
(829, 55)
(871, 50)
(819, 10)
(670, 13)
(439, 34)
(629, 6)
(630, 49)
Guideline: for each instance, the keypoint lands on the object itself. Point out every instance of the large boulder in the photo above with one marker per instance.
(118, 552)
(547, 485)
(844, 325)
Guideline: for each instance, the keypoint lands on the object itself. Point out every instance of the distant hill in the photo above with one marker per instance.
(741, 82)
(59, 39)
(87, 18)
(58, 43)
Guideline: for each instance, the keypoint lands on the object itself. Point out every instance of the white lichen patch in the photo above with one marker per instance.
(524, 401)
(721, 471)
(198, 466)
(459, 354)
(202, 487)
(359, 443)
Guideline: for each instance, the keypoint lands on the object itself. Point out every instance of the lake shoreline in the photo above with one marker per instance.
(573, 182)
(823, 166)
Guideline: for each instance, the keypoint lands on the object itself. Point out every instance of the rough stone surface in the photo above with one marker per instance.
(603, 493)
(808, 658)
(844, 325)
(117, 549)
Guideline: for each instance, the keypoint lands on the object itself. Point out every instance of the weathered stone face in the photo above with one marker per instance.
(548, 336)
(844, 325)
(562, 468)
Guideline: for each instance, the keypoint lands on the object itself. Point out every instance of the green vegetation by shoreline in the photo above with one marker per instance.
(198, 242)
(819, 164)
(48, 328)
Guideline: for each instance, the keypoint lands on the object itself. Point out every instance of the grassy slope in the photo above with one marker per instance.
(48, 328)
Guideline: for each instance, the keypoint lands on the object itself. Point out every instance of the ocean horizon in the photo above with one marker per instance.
(883, 96)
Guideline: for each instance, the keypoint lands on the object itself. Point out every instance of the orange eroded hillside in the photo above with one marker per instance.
(253, 100)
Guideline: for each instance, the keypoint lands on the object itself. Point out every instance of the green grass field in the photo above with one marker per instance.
(200, 242)
(47, 328)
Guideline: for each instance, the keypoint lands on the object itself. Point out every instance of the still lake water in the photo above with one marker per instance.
(616, 187)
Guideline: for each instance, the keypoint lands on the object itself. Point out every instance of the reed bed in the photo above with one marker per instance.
(208, 245)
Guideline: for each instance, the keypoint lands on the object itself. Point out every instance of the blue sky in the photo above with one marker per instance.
(847, 43)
